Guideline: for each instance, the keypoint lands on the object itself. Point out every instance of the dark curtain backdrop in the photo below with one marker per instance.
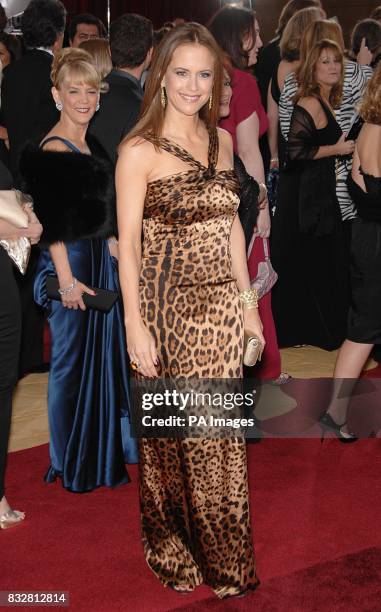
(96, 7)
(158, 11)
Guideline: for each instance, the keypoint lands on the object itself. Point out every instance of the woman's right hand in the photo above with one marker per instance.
(364, 56)
(74, 300)
(33, 232)
(34, 229)
(142, 349)
(253, 324)
(344, 147)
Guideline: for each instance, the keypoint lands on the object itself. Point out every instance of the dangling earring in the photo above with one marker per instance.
(97, 106)
(210, 103)
(163, 98)
(59, 106)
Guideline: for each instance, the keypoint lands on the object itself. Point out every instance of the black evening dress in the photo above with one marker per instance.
(364, 323)
(310, 299)
(276, 93)
(10, 332)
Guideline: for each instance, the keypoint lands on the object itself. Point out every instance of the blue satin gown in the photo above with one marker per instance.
(88, 388)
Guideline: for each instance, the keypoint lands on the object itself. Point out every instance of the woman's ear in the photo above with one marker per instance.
(55, 94)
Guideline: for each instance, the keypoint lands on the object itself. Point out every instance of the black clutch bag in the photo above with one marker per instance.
(103, 301)
(355, 129)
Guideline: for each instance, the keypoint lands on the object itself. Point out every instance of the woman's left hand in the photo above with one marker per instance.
(253, 324)
(264, 222)
(113, 247)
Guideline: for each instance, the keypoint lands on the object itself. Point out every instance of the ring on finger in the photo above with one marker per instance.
(135, 365)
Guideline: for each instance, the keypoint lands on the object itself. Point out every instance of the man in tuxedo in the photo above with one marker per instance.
(131, 49)
(27, 105)
(29, 112)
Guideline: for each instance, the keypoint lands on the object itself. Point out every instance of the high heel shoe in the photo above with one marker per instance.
(327, 422)
(11, 518)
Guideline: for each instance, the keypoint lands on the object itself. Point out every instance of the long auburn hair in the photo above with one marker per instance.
(294, 30)
(308, 85)
(370, 106)
(151, 118)
(322, 29)
(289, 10)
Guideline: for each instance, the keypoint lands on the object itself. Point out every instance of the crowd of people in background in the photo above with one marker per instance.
(303, 114)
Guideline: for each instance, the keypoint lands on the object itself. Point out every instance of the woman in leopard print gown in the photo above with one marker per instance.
(183, 315)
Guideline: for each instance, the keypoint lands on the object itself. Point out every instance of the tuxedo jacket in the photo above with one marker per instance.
(28, 109)
(118, 113)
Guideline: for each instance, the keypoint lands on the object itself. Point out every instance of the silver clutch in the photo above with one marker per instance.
(252, 351)
(18, 250)
(11, 211)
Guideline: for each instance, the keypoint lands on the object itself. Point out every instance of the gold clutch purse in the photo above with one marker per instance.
(11, 201)
(252, 351)
(18, 249)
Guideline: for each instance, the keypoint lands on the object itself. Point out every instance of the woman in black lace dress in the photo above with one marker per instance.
(307, 247)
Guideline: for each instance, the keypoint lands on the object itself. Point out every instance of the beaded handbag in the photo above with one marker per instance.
(266, 275)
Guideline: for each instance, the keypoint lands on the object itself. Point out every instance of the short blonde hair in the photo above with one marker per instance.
(74, 65)
(370, 106)
(99, 50)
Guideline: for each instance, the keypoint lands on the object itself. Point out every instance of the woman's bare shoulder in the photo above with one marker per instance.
(369, 139)
(139, 152)
(225, 138)
(136, 146)
(284, 69)
(54, 145)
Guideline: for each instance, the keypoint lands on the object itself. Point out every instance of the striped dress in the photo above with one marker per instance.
(355, 79)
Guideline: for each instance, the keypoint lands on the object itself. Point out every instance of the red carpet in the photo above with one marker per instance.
(316, 511)
(374, 372)
(325, 586)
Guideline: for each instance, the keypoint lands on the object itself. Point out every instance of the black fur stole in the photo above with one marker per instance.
(73, 193)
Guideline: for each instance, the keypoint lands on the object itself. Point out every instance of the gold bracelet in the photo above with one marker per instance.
(249, 298)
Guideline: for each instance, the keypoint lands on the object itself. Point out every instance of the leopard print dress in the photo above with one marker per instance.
(194, 492)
